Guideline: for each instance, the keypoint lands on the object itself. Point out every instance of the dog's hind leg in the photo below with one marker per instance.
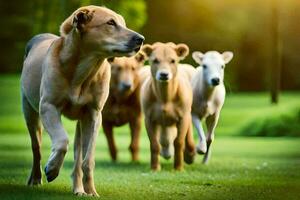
(35, 130)
(77, 171)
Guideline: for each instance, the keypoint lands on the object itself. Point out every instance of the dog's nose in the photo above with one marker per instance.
(125, 86)
(215, 81)
(138, 39)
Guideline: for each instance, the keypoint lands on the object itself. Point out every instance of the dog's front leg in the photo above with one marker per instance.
(51, 119)
(77, 170)
(90, 126)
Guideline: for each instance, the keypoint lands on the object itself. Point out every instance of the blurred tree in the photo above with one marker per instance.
(240, 26)
(134, 11)
(20, 20)
(276, 53)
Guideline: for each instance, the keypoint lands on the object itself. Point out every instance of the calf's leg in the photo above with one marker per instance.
(135, 130)
(108, 131)
(201, 147)
(211, 123)
(152, 131)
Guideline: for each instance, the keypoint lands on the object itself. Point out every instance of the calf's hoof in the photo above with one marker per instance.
(178, 168)
(166, 152)
(189, 157)
(156, 168)
(202, 148)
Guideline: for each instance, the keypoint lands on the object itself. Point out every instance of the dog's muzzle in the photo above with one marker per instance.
(136, 42)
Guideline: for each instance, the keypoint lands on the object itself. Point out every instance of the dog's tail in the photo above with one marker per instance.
(37, 39)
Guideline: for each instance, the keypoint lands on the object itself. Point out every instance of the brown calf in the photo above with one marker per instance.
(166, 102)
(123, 105)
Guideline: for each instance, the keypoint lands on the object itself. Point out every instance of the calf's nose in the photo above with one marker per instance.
(125, 86)
(215, 81)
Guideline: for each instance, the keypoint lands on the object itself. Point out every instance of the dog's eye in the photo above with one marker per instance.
(222, 66)
(173, 61)
(119, 68)
(155, 61)
(204, 66)
(132, 68)
(111, 22)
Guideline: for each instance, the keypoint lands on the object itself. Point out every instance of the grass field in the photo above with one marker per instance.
(241, 167)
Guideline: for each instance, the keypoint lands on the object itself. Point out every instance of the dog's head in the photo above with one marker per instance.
(213, 64)
(124, 72)
(164, 58)
(102, 32)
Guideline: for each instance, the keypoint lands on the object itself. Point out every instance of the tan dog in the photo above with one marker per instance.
(123, 105)
(69, 75)
(208, 95)
(166, 102)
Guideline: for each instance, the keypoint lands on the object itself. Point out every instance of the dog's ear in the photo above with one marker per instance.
(147, 49)
(81, 18)
(78, 19)
(140, 57)
(227, 56)
(111, 59)
(198, 57)
(182, 50)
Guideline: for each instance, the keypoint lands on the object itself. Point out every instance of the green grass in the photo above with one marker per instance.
(241, 167)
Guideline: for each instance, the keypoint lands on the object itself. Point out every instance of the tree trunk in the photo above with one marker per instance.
(275, 54)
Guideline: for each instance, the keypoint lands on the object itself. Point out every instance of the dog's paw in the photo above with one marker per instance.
(80, 194)
(51, 173)
(33, 181)
(54, 164)
(93, 194)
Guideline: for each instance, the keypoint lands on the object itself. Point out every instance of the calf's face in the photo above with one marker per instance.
(103, 32)
(164, 58)
(124, 72)
(213, 64)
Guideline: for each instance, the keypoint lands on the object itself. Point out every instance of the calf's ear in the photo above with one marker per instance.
(111, 59)
(227, 56)
(198, 57)
(140, 57)
(147, 49)
(182, 50)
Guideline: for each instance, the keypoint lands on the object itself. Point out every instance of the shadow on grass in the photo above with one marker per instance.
(15, 191)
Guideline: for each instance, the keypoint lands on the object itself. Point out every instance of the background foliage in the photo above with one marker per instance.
(240, 26)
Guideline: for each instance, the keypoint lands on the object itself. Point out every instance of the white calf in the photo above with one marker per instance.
(208, 95)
